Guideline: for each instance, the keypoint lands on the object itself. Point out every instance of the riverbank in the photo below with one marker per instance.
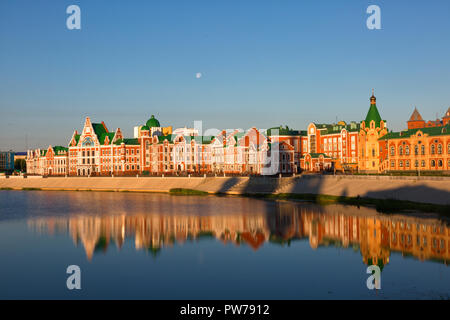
(423, 190)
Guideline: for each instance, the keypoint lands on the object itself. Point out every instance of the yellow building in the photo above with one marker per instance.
(372, 128)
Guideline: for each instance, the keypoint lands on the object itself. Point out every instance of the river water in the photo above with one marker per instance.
(158, 246)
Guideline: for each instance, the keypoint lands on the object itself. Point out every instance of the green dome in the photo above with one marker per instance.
(145, 128)
(152, 122)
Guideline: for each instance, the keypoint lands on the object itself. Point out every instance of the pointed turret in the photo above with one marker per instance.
(373, 113)
(416, 120)
(415, 116)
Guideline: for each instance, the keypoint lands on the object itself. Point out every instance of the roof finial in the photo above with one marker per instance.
(372, 98)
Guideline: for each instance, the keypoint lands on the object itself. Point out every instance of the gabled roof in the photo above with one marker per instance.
(110, 136)
(99, 129)
(416, 116)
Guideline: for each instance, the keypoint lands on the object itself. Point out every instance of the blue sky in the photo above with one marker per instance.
(263, 63)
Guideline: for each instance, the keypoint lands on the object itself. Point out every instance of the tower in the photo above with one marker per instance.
(416, 120)
(370, 150)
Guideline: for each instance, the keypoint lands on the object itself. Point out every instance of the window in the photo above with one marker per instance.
(392, 163)
(416, 150)
(416, 163)
(432, 149)
(448, 148)
(407, 150)
(400, 150)
(422, 163)
(422, 150)
(439, 148)
(433, 163)
(407, 164)
(392, 151)
(440, 163)
(400, 164)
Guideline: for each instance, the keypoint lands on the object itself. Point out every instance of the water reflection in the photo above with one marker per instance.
(252, 223)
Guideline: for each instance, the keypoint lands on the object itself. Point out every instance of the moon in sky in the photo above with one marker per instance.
(198, 75)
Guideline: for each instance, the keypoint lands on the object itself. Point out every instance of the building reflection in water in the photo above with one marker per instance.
(374, 235)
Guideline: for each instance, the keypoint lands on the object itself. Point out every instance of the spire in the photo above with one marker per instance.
(373, 100)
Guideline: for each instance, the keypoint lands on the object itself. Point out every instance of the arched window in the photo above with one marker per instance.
(393, 150)
(416, 163)
(433, 163)
(440, 163)
(407, 150)
(439, 148)
(400, 150)
(422, 150)
(373, 152)
(448, 148)
(407, 164)
(400, 164)
(416, 150)
(433, 148)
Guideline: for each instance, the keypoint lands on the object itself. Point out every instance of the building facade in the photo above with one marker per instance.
(424, 149)
(365, 146)
(7, 161)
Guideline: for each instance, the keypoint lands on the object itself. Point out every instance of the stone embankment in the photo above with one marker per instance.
(434, 190)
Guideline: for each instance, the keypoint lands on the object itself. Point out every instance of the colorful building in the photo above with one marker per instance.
(155, 150)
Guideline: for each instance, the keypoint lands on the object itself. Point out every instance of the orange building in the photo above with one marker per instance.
(423, 149)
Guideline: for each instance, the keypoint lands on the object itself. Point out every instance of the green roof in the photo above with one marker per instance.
(152, 122)
(334, 128)
(110, 136)
(431, 131)
(131, 141)
(169, 138)
(99, 129)
(317, 155)
(145, 128)
(280, 131)
(374, 115)
(59, 149)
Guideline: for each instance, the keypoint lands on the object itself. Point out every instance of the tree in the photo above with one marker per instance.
(20, 164)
